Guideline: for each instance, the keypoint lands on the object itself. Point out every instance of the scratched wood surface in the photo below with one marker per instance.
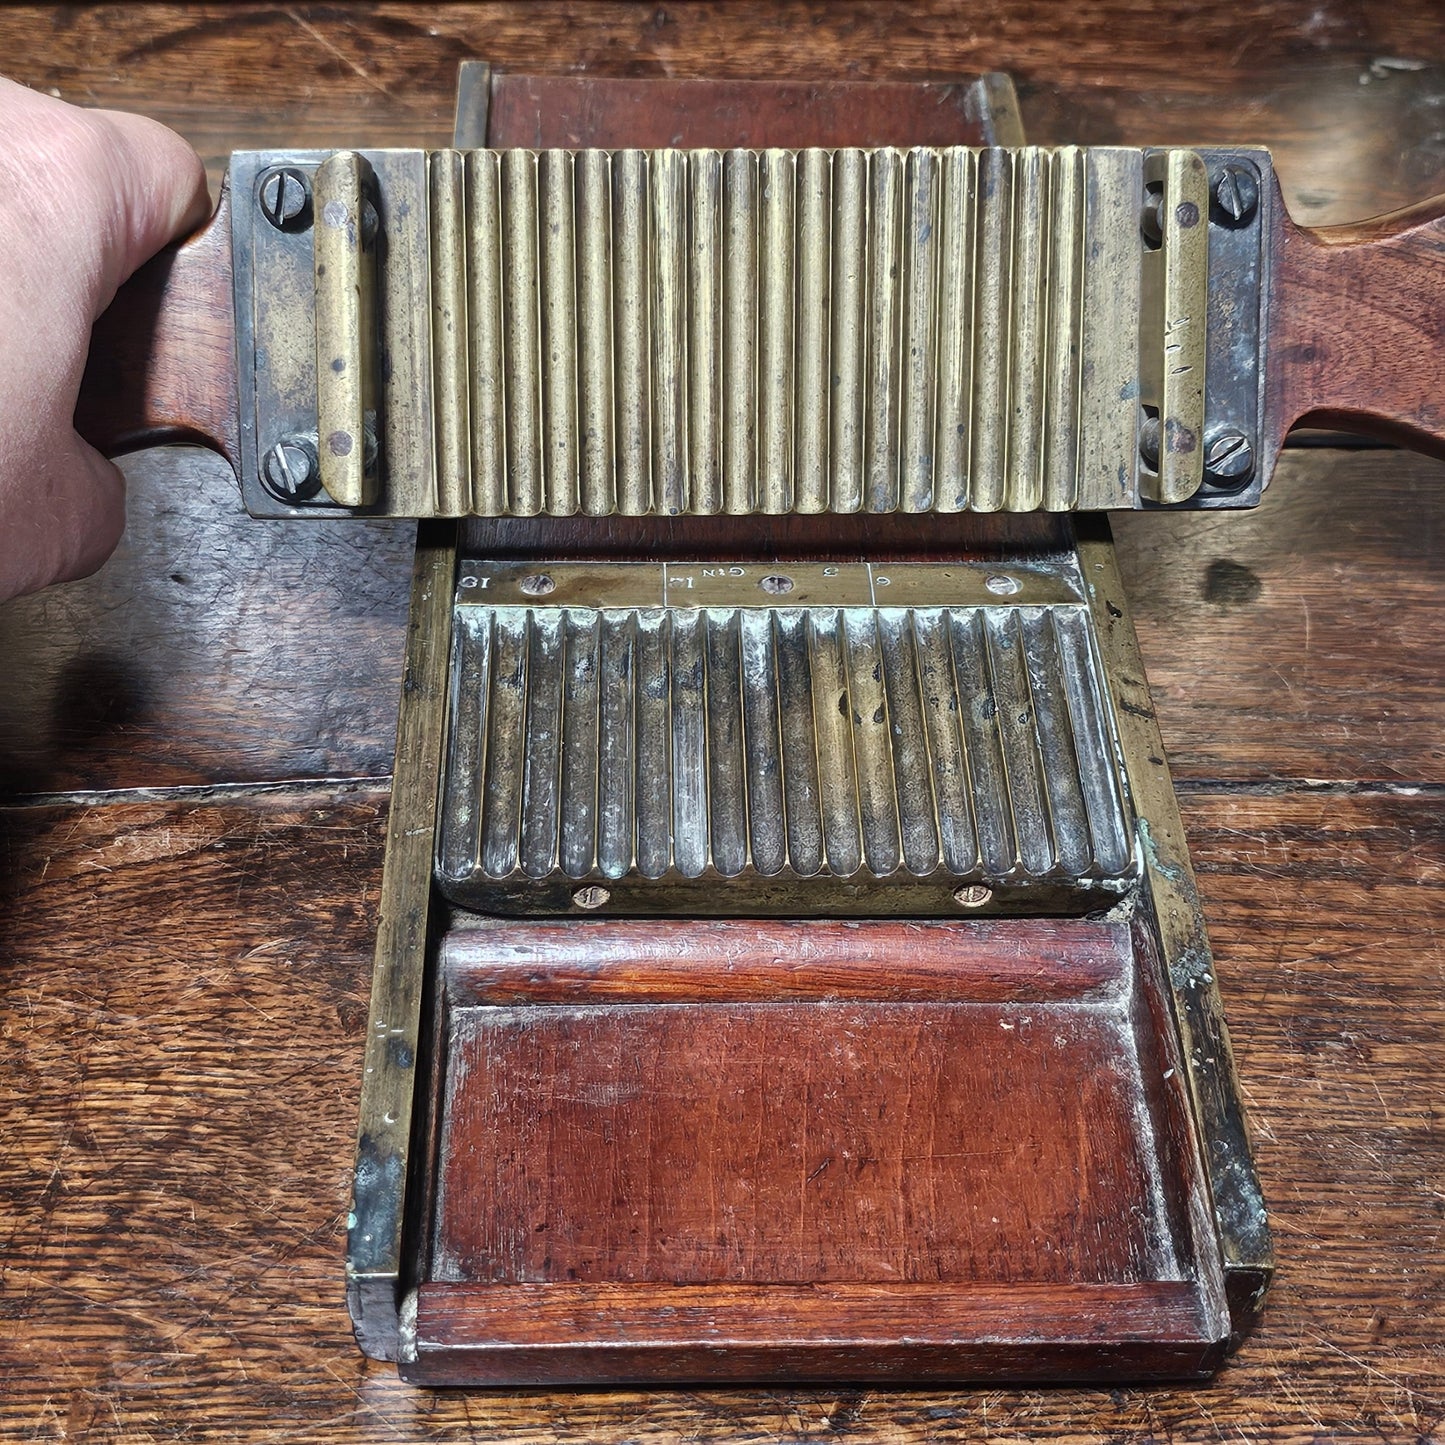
(183, 974)
(180, 1099)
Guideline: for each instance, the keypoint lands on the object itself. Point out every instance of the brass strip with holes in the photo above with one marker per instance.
(343, 310)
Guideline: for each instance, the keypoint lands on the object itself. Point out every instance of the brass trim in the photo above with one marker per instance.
(1173, 340)
(345, 331)
(1238, 1200)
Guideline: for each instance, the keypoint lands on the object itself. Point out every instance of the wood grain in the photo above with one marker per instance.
(122, 680)
(529, 1334)
(730, 961)
(541, 111)
(1356, 323)
(1299, 640)
(180, 1118)
(210, 649)
(162, 365)
(720, 1102)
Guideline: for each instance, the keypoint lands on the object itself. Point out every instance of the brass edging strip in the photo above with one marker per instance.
(344, 302)
(374, 1261)
(1240, 1217)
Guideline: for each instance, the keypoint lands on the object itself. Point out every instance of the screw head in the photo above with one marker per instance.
(289, 471)
(370, 222)
(1149, 438)
(1236, 194)
(973, 896)
(1151, 218)
(285, 198)
(1228, 456)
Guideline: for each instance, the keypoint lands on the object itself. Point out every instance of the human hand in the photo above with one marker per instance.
(86, 196)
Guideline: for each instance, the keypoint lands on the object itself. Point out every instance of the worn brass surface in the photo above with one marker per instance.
(384, 1150)
(393, 1177)
(448, 353)
(1173, 338)
(689, 741)
(1173, 901)
(703, 332)
(345, 331)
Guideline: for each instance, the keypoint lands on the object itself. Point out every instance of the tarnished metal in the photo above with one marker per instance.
(388, 1188)
(450, 360)
(1173, 336)
(1170, 907)
(701, 748)
(1238, 282)
(688, 332)
(345, 332)
(917, 738)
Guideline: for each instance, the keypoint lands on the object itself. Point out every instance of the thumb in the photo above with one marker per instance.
(111, 188)
(68, 522)
(157, 192)
(85, 198)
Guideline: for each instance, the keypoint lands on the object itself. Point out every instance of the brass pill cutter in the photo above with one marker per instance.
(790, 964)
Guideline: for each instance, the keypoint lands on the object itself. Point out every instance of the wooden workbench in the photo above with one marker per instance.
(195, 748)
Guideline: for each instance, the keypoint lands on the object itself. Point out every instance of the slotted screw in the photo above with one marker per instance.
(1236, 194)
(973, 896)
(285, 199)
(1149, 441)
(290, 472)
(1228, 456)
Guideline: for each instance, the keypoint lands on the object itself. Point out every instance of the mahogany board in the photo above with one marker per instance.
(877, 1150)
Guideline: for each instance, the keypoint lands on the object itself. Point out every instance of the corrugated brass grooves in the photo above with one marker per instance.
(661, 745)
(667, 332)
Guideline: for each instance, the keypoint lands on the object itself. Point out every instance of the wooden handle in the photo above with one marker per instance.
(1357, 325)
(162, 362)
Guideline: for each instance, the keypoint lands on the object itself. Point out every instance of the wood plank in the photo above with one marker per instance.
(179, 1129)
(195, 657)
(317, 77)
(210, 649)
(530, 1334)
(858, 1138)
(1300, 640)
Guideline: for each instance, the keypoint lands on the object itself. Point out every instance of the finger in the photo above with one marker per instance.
(157, 187)
(116, 186)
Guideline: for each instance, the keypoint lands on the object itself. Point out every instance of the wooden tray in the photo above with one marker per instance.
(767, 1150)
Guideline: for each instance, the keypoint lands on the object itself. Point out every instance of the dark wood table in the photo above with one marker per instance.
(195, 748)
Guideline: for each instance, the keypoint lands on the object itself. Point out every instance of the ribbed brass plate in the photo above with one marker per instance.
(619, 743)
(664, 333)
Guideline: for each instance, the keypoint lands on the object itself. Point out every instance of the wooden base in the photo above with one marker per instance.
(762, 1150)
